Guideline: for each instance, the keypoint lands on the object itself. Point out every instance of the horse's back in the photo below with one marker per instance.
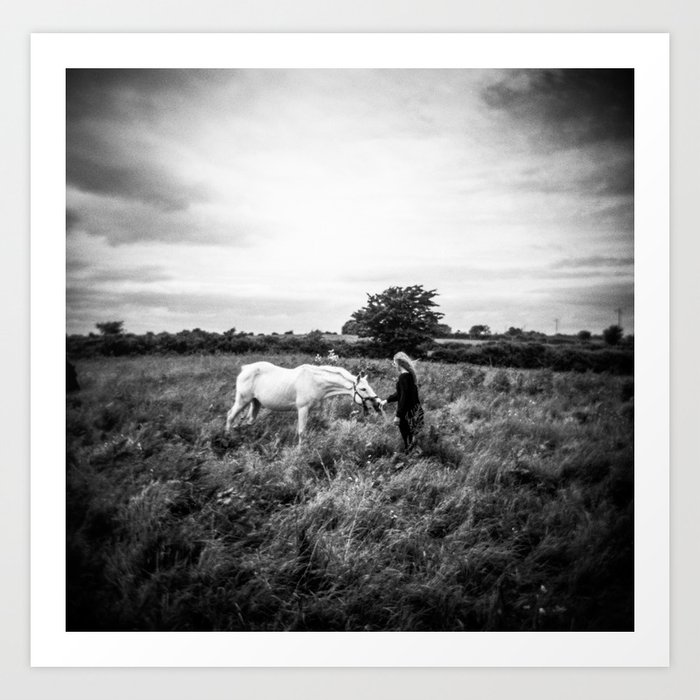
(272, 386)
(255, 368)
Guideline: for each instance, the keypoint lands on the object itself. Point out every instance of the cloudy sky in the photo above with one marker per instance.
(275, 200)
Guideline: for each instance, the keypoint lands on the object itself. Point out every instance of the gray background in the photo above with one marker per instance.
(19, 20)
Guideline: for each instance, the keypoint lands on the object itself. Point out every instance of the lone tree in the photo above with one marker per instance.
(399, 318)
(612, 335)
(479, 331)
(110, 327)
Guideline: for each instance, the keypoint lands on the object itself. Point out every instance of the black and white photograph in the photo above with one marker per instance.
(350, 350)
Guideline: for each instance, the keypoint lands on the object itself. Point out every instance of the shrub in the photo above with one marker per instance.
(612, 335)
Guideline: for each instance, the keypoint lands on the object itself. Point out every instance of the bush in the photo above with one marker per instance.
(612, 335)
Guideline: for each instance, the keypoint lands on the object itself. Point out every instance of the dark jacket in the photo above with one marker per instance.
(406, 394)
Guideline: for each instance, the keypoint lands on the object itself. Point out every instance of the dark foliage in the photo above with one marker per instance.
(72, 383)
(400, 318)
(565, 358)
(612, 335)
(110, 327)
(557, 354)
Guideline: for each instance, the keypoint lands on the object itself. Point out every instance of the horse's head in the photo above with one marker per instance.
(364, 394)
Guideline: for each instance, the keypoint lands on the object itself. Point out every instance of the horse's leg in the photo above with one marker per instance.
(237, 407)
(254, 410)
(303, 417)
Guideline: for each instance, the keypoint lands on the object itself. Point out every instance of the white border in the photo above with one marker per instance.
(648, 645)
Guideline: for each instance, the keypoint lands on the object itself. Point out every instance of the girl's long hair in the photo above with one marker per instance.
(403, 360)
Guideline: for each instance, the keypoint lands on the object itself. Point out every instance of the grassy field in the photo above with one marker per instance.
(516, 513)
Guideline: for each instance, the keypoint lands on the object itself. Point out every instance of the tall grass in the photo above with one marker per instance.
(515, 513)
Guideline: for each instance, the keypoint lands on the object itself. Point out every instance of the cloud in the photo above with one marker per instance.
(143, 274)
(122, 221)
(568, 107)
(595, 261)
(609, 294)
(139, 181)
(72, 219)
(114, 140)
(74, 265)
(596, 172)
(92, 92)
(450, 274)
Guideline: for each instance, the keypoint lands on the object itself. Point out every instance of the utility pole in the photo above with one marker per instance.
(556, 326)
(619, 317)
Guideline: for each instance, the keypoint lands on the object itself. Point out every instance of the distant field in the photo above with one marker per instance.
(516, 513)
(444, 341)
(462, 341)
(340, 336)
(441, 341)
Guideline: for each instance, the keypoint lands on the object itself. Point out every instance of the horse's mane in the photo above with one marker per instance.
(335, 370)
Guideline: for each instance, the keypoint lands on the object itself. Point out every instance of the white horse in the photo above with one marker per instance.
(280, 389)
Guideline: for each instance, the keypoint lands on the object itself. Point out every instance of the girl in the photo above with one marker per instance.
(409, 412)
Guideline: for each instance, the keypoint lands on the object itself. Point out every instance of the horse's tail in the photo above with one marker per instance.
(244, 394)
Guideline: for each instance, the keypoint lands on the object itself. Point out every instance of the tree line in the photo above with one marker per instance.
(400, 318)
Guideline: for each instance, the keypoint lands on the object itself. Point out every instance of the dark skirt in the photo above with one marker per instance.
(415, 418)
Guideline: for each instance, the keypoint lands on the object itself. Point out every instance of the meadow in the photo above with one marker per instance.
(516, 513)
